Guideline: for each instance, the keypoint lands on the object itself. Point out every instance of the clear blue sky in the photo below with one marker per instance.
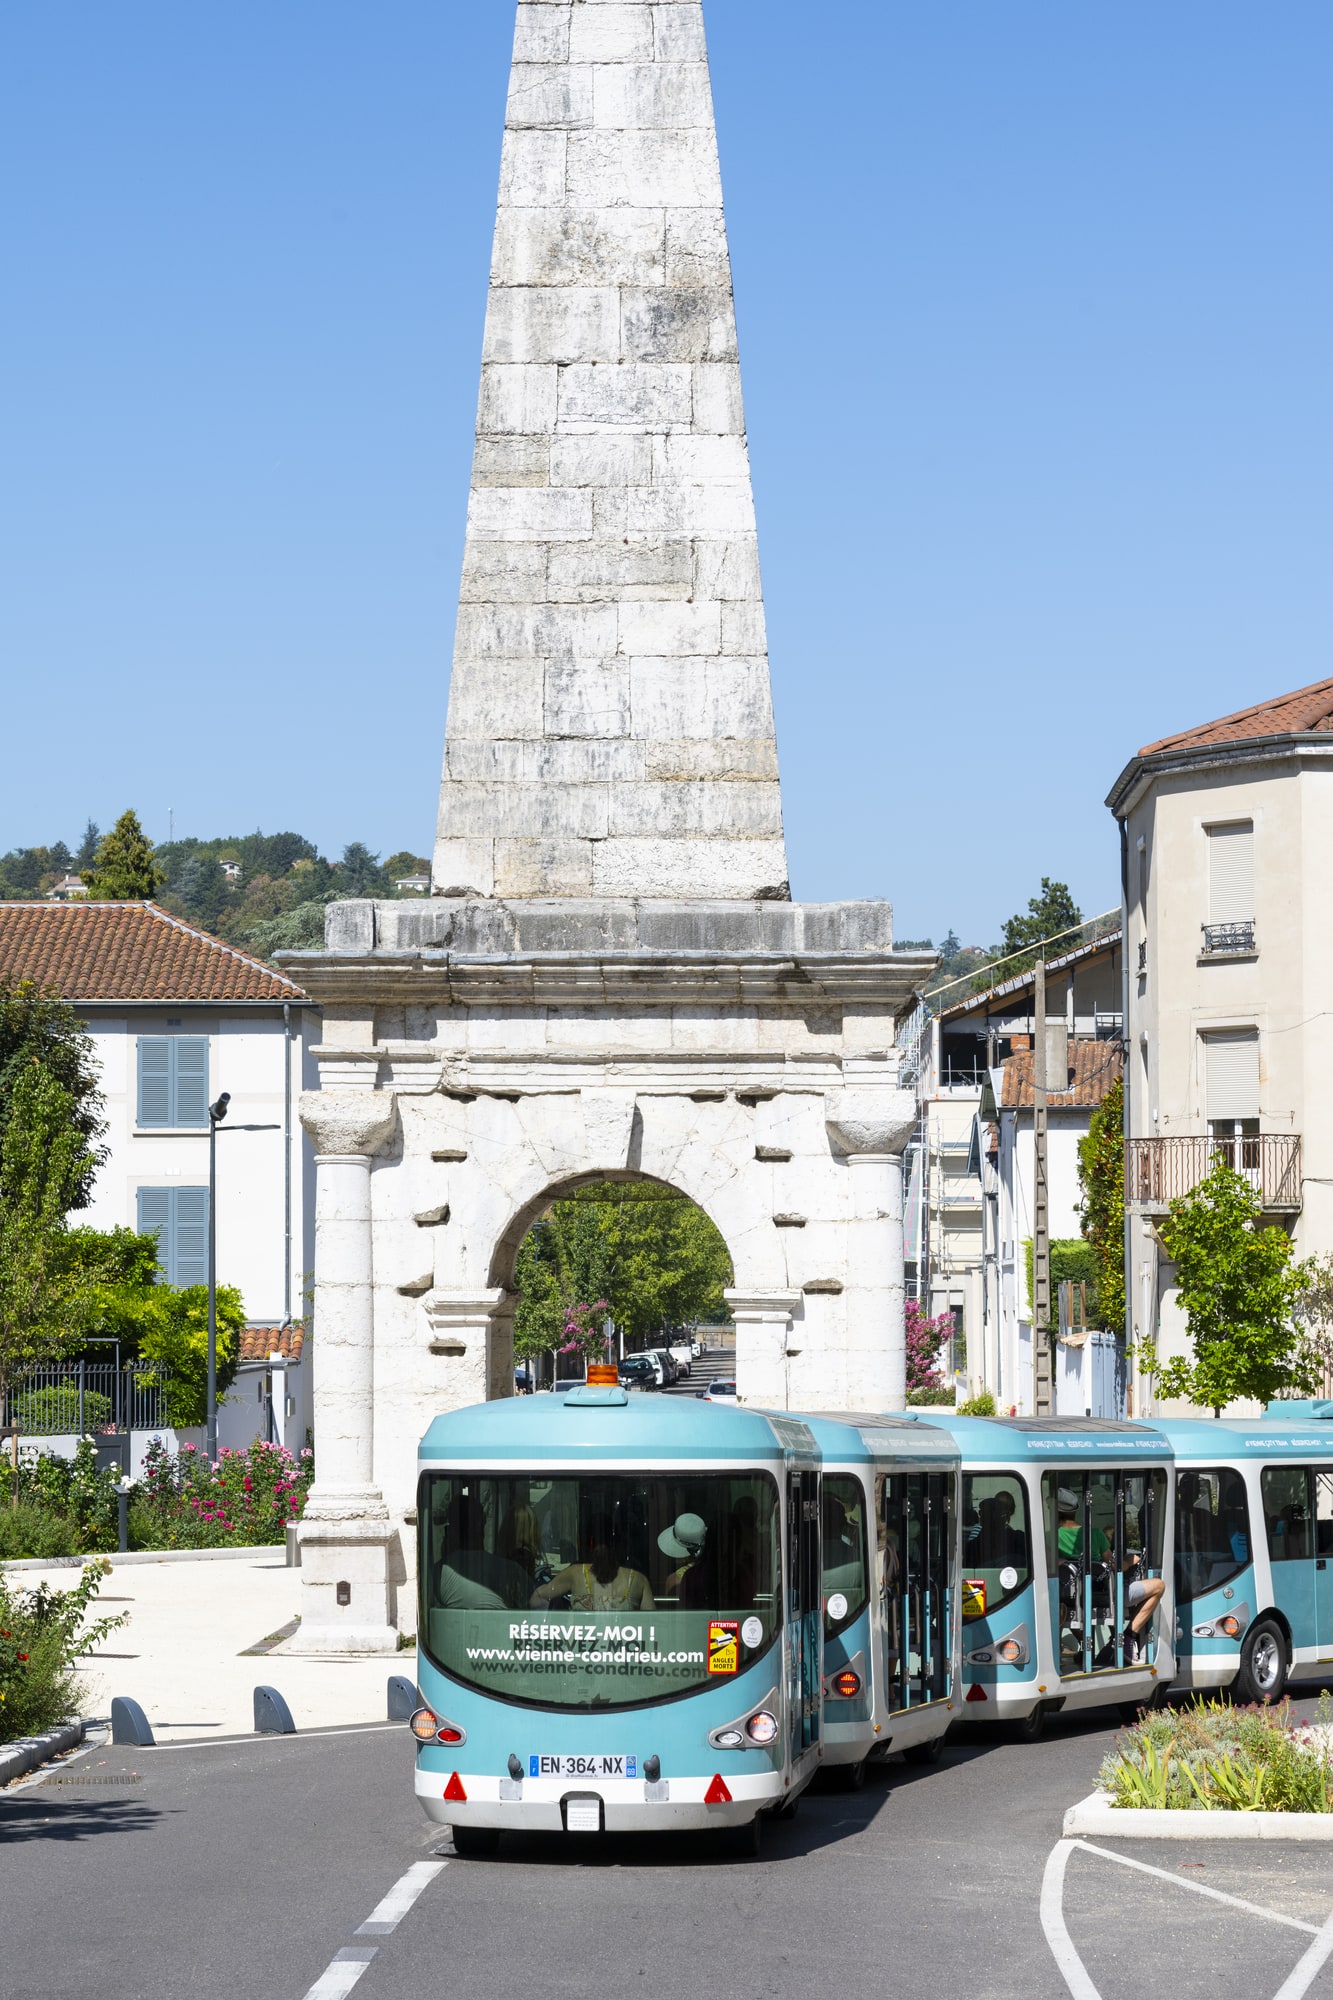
(1036, 309)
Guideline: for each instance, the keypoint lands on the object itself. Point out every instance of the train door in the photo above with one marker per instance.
(1323, 1558)
(918, 1540)
(1103, 1529)
(805, 1606)
(1287, 1492)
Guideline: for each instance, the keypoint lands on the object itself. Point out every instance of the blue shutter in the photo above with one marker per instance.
(155, 1080)
(191, 1063)
(190, 1262)
(155, 1220)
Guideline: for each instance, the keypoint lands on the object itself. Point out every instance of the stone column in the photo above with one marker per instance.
(475, 1330)
(345, 1534)
(870, 1126)
(763, 1323)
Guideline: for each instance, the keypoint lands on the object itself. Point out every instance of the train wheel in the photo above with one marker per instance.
(742, 1842)
(476, 1843)
(1263, 1663)
(850, 1777)
(924, 1753)
(1031, 1727)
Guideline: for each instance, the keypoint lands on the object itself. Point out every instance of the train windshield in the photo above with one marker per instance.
(846, 1581)
(997, 1541)
(597, 1590)
(1212, 1529)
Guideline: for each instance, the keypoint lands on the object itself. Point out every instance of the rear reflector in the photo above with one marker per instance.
(977, 1692)
(454, 1790)
(717, 1793)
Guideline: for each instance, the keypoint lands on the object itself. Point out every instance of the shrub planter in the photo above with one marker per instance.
(1096, 1816)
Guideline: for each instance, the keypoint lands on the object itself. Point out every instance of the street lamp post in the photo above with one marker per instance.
(216, 1113)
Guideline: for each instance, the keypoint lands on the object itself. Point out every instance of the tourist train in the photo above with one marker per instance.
(647, 1614)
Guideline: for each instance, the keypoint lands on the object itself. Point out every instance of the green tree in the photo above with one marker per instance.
(132, 1302)
(651, 1253)
(361, 871)
(1101, 1174)
(87, 854)
(1048, 915)
(124, 870)
(46, 1297)
(36, 1027)
(1238, 1289)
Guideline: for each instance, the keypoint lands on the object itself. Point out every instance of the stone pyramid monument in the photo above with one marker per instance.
(610, 725)
(609, 980)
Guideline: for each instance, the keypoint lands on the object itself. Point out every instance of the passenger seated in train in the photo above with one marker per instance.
(470, 1578)
(603, 1583)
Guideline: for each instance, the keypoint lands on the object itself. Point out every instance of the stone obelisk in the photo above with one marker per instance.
(610, 727)
(610, 979)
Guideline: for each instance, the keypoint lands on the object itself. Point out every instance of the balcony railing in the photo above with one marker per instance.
(1160, 1170)
(1225, 940)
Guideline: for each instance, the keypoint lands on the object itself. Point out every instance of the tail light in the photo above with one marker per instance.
(446, 1733)
(1010, 1651)
(846, 1684)
(424, 1724)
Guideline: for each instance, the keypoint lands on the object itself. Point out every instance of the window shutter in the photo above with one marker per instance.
(191, 1056)
(1231, 874)
(155, 1220)
(190, 1263)
(155, 1080)
(1232, 1058)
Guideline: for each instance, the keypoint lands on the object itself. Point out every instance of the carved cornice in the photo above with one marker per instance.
(870, 1119)
(349, 1121)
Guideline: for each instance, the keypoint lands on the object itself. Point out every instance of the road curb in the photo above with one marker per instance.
(1097, 1816)
(132, 1556)
(17, 1759)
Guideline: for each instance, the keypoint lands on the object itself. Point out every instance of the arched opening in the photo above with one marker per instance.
(608, 1267)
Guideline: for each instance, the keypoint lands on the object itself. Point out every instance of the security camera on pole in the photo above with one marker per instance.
(217, 1111)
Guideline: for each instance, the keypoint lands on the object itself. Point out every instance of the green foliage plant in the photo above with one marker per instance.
(1101, 1174)
(1216, 1758)
(246, 1499)
(982, 1405)
(1048, 916)
(1238, 1289)
(124, 870)
(38, 1028)
(42, 1634)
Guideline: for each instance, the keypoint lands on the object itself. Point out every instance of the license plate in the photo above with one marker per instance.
(583, 1767)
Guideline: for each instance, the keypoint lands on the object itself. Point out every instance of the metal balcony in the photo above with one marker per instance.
(1229, 940)
(1161, 1170)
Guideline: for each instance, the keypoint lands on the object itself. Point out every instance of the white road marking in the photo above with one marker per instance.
(1302, 1975)
(1071, 1966)
(386, 1916)
(1200, 1888)
(339, 1977)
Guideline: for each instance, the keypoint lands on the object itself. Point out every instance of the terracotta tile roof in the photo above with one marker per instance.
(1095, 1065)
(1308, 709)
(258, 1342)
(127, 951)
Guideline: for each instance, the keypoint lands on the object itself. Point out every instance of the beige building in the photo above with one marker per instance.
(1226, 837)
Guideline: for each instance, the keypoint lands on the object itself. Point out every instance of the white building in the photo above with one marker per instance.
(1226, 835)
(177, 1017)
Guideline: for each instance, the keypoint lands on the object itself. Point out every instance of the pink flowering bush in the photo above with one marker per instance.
(925, 1338)
(247, 1498)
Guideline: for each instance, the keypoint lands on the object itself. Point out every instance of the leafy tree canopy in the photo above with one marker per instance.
(1047, 916)
(46, 1297)
(1238, 1289)
(1101, 1174)
(37, 1029)
(124, 870)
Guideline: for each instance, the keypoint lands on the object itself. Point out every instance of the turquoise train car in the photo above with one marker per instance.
(1060, 1519)
(890, 1553)
(1254, 1545)
(620, 1620)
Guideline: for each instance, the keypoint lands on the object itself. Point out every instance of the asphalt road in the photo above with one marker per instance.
(243, 1869)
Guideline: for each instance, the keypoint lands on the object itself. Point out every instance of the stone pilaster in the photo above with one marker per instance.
(347, 1545)
(763, 1329)
(869, 1127)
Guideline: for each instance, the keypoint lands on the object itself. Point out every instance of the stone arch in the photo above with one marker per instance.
(507, 1244)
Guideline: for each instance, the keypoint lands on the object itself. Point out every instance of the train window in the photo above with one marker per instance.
(997, 1552)
(1286, 1497)
(599, 1590)
(916, 1521)
(844, 1552)
(1104, 1529)
(1212, 1529)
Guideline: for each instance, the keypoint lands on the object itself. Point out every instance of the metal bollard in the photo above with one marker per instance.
(404, 1698)
(272, 1715)
(129, 1724)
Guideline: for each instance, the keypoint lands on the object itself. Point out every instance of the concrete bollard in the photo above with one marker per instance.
(272, 1715)
(129, 1724)
(404, 1697)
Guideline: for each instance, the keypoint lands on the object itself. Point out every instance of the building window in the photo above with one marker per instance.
(173, 1080)
(1231, 1064)
(1230, 925)
(178, 1217)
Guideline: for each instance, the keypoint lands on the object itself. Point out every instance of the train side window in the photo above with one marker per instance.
(1286, 1497)
(1323, 1512)
(1212, 1529)
(846, 1572)
(997, 1553)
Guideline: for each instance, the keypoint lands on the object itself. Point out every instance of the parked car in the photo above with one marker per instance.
(637, 1371)
(682, 1353)
(670, 1372)
(723, 1390)
(652, 1361)
(696, 1349)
